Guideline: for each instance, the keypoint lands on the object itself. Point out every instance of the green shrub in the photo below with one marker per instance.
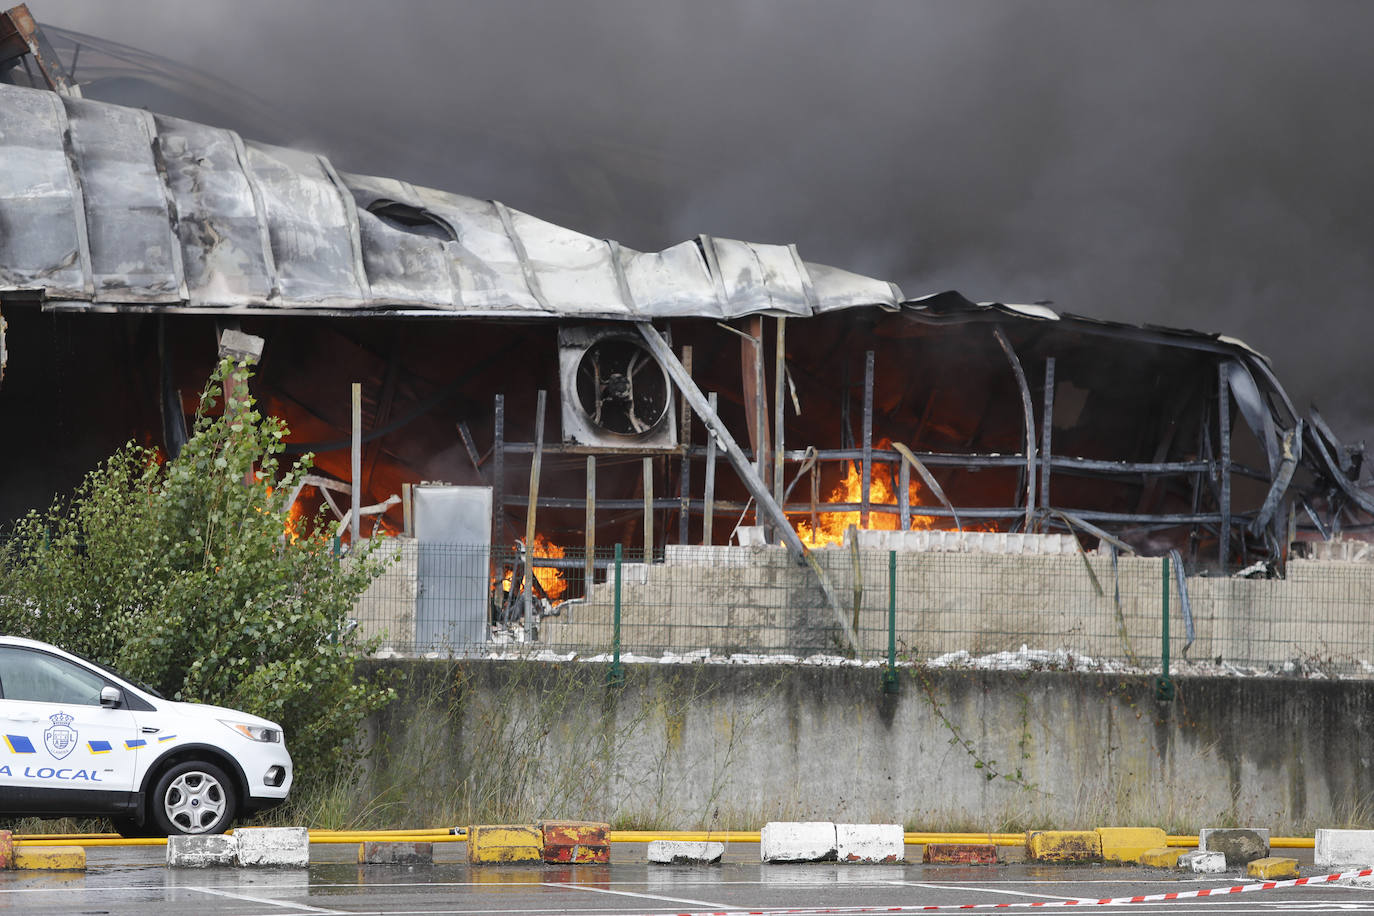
(191, 577)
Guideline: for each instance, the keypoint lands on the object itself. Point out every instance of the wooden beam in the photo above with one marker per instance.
(498, 475)
(648, 509)
(684, 483)
(779, 403)
(708, 519)
(767, 507)
(867, 444)
(1224, 430)
(755, 399)
(589, 524)
(356, 467)
(528, 594)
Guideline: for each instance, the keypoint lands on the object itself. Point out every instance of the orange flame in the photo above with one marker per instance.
(293, 521)
(551, 580)
(831, 526)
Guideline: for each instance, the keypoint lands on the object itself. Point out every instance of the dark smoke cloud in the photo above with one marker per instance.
(1197, 164)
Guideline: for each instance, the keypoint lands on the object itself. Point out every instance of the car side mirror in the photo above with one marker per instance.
(110, 697)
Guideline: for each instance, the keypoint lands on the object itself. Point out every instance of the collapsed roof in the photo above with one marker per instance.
(111, 209)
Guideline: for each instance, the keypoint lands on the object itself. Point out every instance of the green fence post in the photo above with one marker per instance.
(1164, 685)
(337, 547)
(616, 676)
(890, 684)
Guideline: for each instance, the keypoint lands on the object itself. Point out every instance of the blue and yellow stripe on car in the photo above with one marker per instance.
(19, 744)
(163, 739)
(134, 743)
(99, 747)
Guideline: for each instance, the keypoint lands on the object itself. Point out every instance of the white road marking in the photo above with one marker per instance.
(988, 890)
(263, 900)
(603, 890)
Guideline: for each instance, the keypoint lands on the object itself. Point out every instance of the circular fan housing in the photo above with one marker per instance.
(621, 389)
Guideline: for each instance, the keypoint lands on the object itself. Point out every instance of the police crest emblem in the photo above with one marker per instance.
(60, 738)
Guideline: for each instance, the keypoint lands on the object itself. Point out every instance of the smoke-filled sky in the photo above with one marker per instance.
(1197, 164)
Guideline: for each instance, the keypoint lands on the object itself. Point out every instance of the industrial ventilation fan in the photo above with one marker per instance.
(614, 393)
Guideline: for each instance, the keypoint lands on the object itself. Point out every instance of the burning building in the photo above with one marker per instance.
(715, 391)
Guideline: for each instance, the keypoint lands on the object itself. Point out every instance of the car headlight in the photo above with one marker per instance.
(255, 732)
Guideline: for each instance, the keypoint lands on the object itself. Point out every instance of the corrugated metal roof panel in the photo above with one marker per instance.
(224, 251)
(185, 214)
(40, 243)
(134, 255)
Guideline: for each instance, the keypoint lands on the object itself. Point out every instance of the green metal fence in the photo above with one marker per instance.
(1062, 610)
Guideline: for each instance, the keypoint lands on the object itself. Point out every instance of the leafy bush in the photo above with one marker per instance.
(191, 577)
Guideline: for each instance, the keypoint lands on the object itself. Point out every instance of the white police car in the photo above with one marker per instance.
(78, 740)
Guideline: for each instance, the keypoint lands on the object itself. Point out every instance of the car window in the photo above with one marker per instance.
(43, 678)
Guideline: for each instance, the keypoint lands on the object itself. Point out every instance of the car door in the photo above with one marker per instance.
(58, 744)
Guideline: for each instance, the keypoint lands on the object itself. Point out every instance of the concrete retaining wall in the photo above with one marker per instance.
(733, 747)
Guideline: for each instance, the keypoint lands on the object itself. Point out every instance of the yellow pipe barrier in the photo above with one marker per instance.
(691, 836)
(442, 835)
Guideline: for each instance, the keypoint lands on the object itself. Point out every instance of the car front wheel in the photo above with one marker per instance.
(191, 798)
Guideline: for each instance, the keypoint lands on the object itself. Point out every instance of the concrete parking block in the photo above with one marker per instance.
(797, 841)
(960, 854)
(373, 852)
(6, 849)
(876, 843)
(1343, 847)
(1162, 857)
(1066, 846)
(1125, 844)
(50, 858)
(1203, 862)
(273, 847)
(202, 851)
(1272, 868)
(578, 842)
(1239, 844)
(505, 844)
(681, 852)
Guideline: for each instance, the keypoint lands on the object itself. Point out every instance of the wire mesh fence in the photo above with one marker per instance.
(1050, 606)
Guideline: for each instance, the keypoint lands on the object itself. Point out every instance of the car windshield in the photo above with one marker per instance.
(123, 677)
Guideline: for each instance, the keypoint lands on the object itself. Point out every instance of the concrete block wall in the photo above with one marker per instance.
(386, 611)
(954, 595)
(733, 599)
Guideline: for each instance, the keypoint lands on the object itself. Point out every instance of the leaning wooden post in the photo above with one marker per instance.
(684, 484)
(589, 566)
(865, 493)
(648, 510)
(709, 511)
(1224, 432)
(498, 475)
(530, 515)
(779, 404)
(762, 496)
(356, 469)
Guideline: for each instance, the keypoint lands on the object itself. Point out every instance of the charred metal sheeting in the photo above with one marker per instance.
(1029, 421)
(20, 35)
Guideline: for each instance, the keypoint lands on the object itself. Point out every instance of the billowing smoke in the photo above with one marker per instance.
(1203, 165)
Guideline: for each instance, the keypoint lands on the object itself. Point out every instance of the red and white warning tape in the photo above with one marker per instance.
(1047, 904)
